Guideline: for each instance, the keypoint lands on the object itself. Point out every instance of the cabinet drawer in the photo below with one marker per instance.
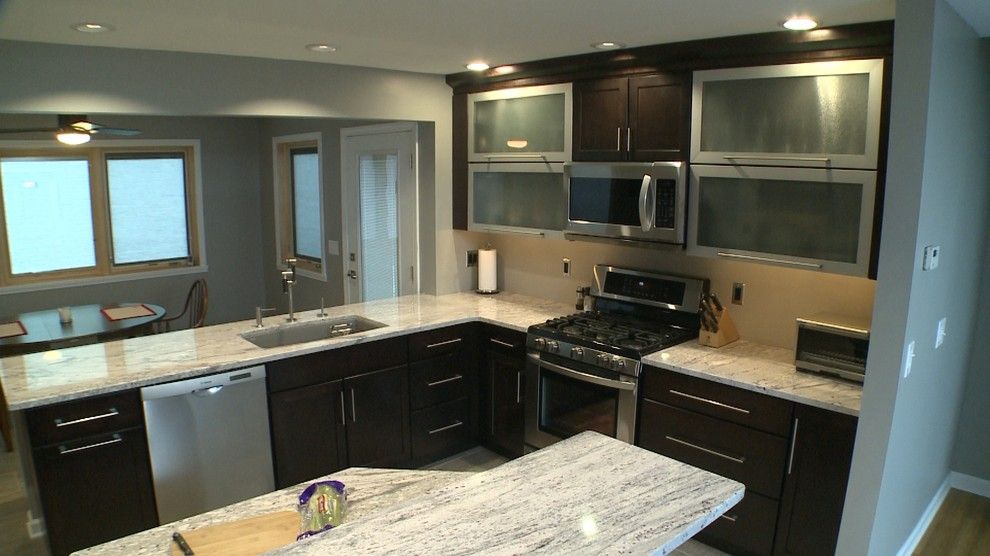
(746, 455)
(86, 417)
(335, 364)
(504, 340)
(441, 431)
(747, 528)
(438, 342)
(751, 409)
(439, 379)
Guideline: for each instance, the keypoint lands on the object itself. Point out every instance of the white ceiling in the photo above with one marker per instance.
(431, 36)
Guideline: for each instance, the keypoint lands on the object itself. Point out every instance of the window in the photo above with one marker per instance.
(99, 211)
(299, 202)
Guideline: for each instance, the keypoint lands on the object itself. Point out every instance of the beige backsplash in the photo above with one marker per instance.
(774, 296)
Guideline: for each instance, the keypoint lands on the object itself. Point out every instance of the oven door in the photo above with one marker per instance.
(563, 401)
(636, 201)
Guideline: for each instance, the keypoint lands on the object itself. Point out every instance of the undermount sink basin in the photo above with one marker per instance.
(299, 332)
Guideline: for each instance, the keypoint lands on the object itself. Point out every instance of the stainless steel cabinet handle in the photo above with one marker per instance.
(618, 139)
(443, 343)
(515, 155)
(628, 139)
(444, 381)
(790, 459)
(62, 450)
(706, 450)
(111, 413)
(353, 408)
(706, 400)
(777, 157)
(519, 387)
(447, 428)
(728, 517)
(514, 231)
(501, 343)
(343, 416)
(767, 260)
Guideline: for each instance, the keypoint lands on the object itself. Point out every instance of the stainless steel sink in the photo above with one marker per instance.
(299, 332)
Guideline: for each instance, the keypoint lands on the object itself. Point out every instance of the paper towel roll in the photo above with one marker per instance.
(486, 271)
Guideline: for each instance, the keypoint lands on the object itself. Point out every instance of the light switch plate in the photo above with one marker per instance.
(940, 333)
(908, 359)
(930, 261)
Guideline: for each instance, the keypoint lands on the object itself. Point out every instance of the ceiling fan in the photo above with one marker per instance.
(75, 129)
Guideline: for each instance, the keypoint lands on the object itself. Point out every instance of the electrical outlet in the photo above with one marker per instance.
(940, 333)
(567, 266)
(737, 293)
(908, 359)
(930, 261)
(472, 258)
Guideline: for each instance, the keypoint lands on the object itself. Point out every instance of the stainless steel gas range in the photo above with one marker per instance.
(582, 370)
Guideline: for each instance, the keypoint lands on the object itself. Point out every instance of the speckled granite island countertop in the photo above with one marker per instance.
(589, 494)
(49, 377)
(760, 368)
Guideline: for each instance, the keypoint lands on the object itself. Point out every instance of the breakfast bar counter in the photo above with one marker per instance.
(587, 494)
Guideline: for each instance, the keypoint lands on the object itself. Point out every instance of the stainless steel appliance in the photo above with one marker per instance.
(582, 370)
(626, 201)
(209, 442)
(833, 344)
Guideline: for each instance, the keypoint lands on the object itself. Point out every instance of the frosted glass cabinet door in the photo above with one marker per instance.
(800, 217)
(523, 197)
(821, 114)
(518, 124)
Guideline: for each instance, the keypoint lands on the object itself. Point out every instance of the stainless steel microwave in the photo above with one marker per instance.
(639, 201)
(834, 345)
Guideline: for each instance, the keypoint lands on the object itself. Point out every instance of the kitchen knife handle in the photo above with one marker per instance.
(717, 302)
(182, 544)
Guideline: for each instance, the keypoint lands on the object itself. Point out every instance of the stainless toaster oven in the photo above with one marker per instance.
(834, 345)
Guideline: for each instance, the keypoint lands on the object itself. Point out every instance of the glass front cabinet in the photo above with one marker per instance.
(525, 123)
(816, 219)
(819, 114)
(518, 197)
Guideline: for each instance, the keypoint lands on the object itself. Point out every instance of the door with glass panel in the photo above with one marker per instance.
(380, 212)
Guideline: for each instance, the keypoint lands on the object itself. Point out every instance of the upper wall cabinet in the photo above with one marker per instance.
(820, 114)
(531, 123)
(638, 119)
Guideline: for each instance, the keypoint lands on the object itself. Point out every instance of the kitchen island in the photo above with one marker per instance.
(587, 494)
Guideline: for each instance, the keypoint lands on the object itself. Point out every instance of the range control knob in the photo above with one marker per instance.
(618, 363)
(603, 359)
(540, 343)
(577, 352)
(553, 346)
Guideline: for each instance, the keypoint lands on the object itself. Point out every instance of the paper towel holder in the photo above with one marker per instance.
(493, 280)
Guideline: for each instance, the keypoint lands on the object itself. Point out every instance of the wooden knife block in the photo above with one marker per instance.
(726, 334)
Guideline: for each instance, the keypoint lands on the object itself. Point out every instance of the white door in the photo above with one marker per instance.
(380, 211)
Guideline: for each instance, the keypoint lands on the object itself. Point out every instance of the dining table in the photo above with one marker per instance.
(89, 324)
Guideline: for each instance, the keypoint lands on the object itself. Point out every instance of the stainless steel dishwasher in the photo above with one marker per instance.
(209, 442)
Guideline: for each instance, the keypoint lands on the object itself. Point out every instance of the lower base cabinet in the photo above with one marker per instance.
(307, 427)
(503, 388)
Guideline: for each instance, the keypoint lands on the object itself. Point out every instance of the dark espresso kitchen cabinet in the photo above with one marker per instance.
(93, 472)
(504, 367)
(635, 119)
(815, 484)
(339, 408)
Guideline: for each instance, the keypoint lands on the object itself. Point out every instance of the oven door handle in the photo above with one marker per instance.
(585, 377)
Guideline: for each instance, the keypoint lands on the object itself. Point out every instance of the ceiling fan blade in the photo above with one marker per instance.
(29, 130)
(98, 129)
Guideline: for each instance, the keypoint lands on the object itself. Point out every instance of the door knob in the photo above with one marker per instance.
(352, 275)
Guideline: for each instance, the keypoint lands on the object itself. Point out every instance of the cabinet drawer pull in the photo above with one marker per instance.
(501, 343)
(711, 402)
(767, 260)
(790, 459)
(706, 450)
(443, 343)
(453, 425)
(111, 413)
(444, 381)
(343, 416)
(784, 158)
(618, 139)
(728, 517)
(353, 408)
(62, 450)
(518, 388)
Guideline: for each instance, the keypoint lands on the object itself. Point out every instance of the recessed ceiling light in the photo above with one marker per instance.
(800, 24)
(608, 45)
(91, 27)
(321, 47)
(477, 66)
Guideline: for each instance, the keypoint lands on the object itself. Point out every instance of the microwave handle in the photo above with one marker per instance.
(647, 203)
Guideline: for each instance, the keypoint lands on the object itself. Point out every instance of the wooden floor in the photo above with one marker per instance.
(960, 528)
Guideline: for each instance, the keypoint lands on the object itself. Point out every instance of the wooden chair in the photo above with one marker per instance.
(193, 312)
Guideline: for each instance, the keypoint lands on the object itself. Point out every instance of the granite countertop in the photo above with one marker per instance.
(49, 377)
(587, 494)
(764, 369)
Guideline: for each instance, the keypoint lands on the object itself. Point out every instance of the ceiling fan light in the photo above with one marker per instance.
(72, 137)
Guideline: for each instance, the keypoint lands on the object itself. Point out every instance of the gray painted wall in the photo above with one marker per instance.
(937, 194)
(229, 167)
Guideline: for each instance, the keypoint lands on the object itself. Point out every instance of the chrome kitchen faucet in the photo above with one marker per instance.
(289, 280)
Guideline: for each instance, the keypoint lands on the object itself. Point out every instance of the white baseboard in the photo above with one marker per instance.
(926, 518)
(969, 483)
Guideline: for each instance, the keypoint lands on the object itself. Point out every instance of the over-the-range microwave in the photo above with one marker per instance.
(631, 201)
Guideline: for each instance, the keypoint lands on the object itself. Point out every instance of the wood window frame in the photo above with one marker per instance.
(95, 155)
(285, 231)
